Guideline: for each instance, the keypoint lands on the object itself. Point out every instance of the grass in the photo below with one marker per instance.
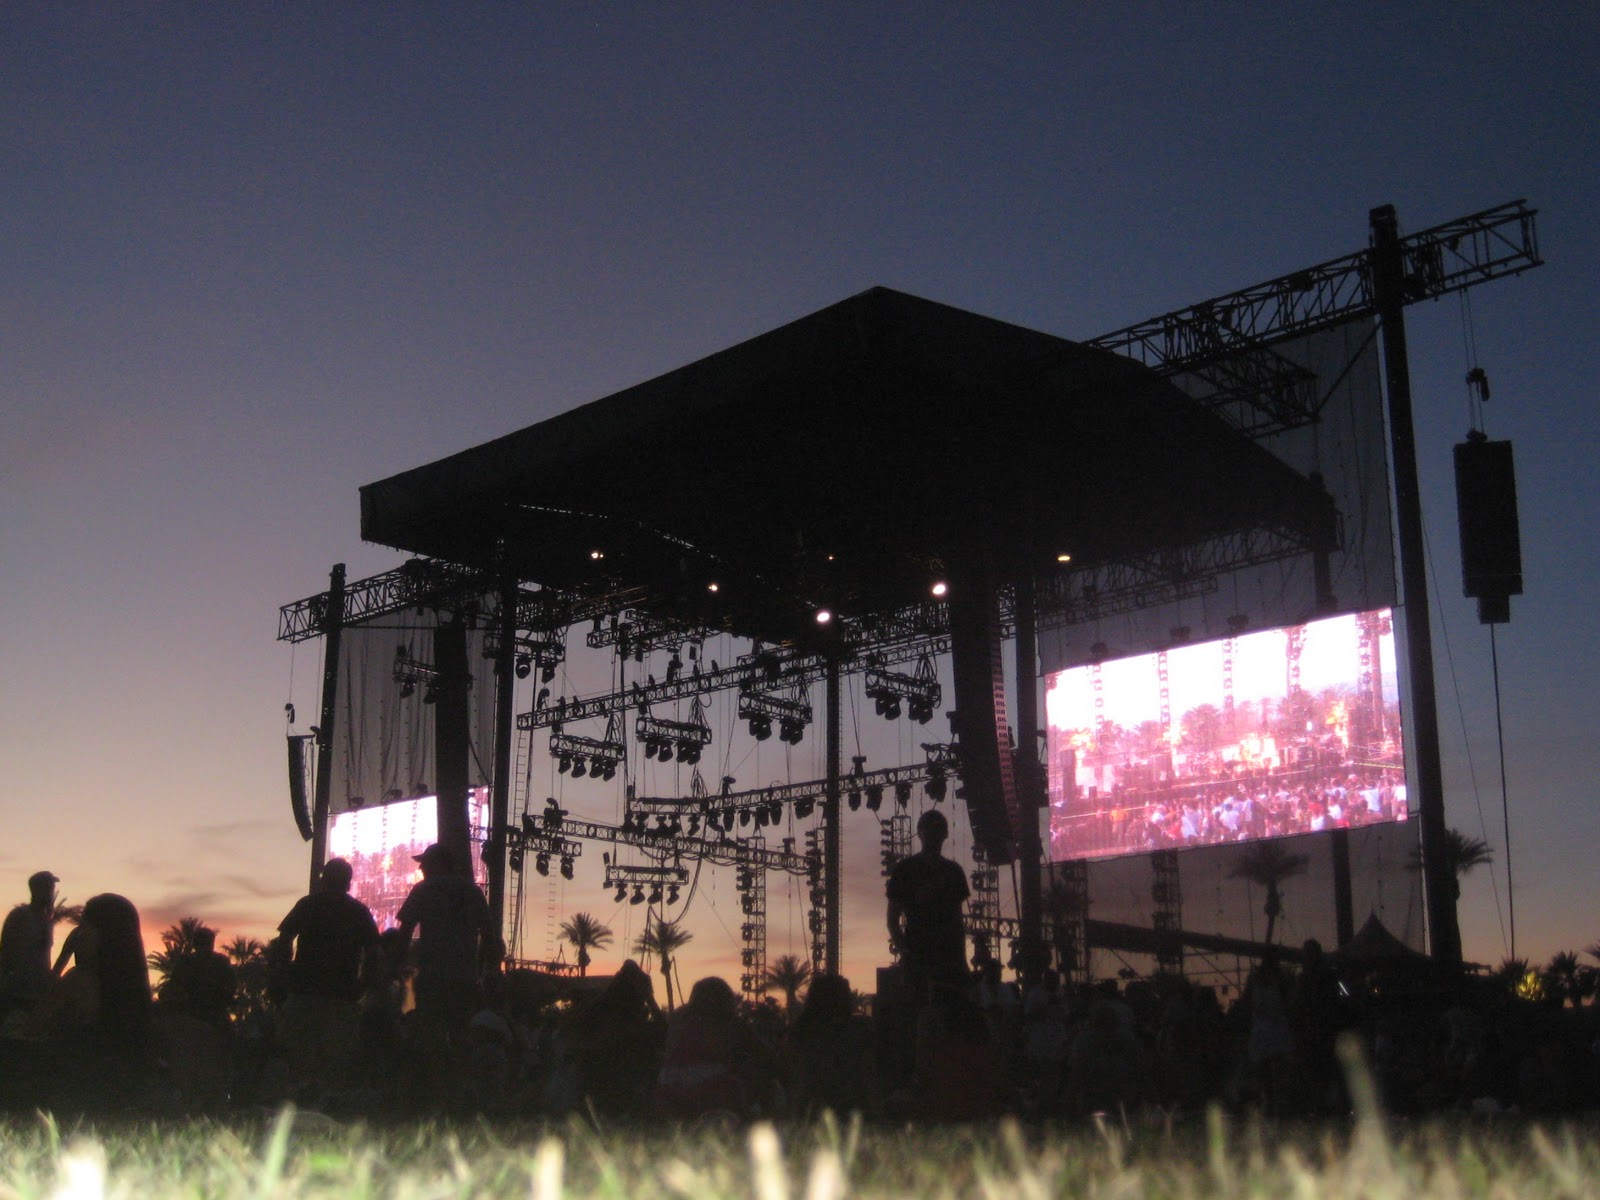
(306, 1155)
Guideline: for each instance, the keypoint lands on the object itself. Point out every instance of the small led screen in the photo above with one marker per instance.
(381, 840)
(1266, 734)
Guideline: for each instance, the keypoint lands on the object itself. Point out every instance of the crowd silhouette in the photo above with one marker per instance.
(338, 1016)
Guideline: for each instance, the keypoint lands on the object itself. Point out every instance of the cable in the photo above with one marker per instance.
(1505, 803)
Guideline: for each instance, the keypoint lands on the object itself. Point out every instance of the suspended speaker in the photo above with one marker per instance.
(983, 739)
(297, 784)
(1486, 507)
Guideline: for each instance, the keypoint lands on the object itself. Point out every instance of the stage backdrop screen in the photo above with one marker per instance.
(1266, 734)
(381, 840)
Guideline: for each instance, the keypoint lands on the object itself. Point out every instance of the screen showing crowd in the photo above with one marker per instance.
(1265, 734)
(381, 842)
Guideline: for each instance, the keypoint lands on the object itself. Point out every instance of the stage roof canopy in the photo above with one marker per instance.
(846, 460)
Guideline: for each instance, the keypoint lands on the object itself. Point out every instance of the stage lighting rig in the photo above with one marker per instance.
(544, 843)
(658, 884)
(529, 653)
(761, 709)
(920, 692)
(602, 754)
(665, 739)
(410, 671)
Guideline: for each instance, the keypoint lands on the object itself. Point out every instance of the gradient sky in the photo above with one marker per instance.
(258, 255)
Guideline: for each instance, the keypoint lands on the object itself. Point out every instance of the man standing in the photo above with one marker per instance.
(926, 892)
(453, 918)
(331, 931)
(25, 941)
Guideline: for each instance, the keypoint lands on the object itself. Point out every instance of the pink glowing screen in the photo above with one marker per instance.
(1266, 734)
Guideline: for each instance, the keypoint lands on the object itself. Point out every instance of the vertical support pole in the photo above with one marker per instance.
(1388, 284)
(1344, 917)
(505, 725)
(1031, 792)
(832, 834)
(332, 628)
(450, 739)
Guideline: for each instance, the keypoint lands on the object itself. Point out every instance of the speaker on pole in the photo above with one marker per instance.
(297, 784)
(1486, 508)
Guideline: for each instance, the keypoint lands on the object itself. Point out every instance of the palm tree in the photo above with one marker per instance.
(178, 941)
(787, 975)
(1268, 864)
(1565, 978)
(70, 913)
(1461, 854)
(250, 968)
(583, 932)
(662, 939)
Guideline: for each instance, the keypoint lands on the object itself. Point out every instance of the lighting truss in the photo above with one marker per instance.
(543, 654)
(410, 671)
(661, 881)
(599, 756)
(665, 739)
(1239, 327)
(632, 631)
(761, 709)
(920, 692)
(543, 844)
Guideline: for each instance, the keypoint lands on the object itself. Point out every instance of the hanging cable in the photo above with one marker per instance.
(1505, 803)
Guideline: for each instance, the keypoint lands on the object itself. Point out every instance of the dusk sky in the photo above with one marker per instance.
(256, 256)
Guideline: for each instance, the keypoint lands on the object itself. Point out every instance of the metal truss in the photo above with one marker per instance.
(633, 631)
(1179, 573)
(1241, 326)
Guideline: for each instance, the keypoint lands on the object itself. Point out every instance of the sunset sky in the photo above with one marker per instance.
(259, 255)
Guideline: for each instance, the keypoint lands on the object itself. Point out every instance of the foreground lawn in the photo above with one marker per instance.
(307, 1155)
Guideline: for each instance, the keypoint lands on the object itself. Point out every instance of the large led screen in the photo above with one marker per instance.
(381, 841)
(1267, 734)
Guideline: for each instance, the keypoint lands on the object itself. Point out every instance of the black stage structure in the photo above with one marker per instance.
(881, 483)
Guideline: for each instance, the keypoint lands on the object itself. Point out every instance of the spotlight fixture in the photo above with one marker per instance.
(1063, 558)
(874, 797)
(823, 616)
(566, 866)
(597, 555)
(622, 893)
(579, 768)
(853, 797)
(515, 860)
(564, 763)
(902, 794)
(672, 893)
(713, 587)
(803, 807)
(936, 786)
(407, 690)
(656, 894)
(638, 895)
(541, 864)
(524, 666)
(940, 588)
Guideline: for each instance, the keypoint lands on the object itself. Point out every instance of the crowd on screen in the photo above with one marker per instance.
(1229, 809)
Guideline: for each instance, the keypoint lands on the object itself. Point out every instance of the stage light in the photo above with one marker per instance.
(579, 769)
(902, 794)
(761, 817)
(802, 808)
(430, 695)
(655, 894)
(823, 616)
(566, 866)
(854, 799)
(775, 812)
(524, 666)
(516, 861)
(622, 892)
(564, 763)
(936, 788)
(940, 588)
(547, 674)
(1063, 558)
(672, 893)
(638, 895)
(744, 816)
(407, 690)
(712, 587)
(597, 555)
(694, 826)
(608, 770)
(665, 752)
(891, 707)
(874, 797)
(541, 864)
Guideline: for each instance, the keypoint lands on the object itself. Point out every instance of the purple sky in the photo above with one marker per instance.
(257, 256)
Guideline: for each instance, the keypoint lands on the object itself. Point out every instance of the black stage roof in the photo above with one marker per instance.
(844, 460)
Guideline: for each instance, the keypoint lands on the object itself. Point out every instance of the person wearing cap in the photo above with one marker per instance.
(25, 941)
(450, 916)
(926, 892)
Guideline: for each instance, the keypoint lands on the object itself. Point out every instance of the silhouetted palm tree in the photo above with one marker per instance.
(788, 974)
(663, 939)
(1267, 864)
(70, 913)
(1564, 978)
(178, 941)
(250, 969)
(583, 932)
(1461, 854)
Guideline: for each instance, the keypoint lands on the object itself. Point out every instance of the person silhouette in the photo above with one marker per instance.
(925, 893)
